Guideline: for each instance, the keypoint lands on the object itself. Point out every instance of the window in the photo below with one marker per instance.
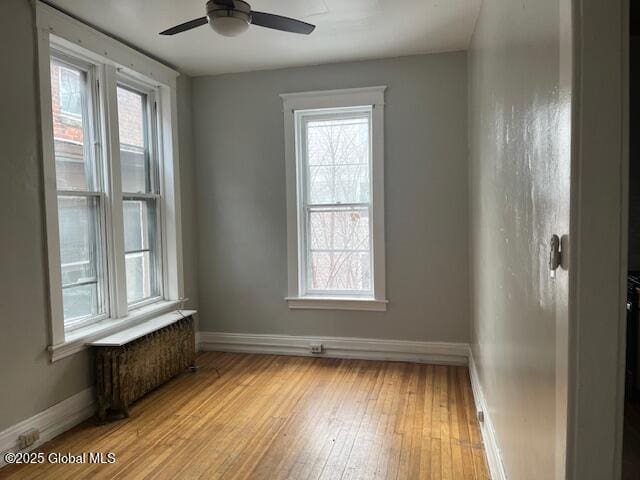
(111, 183)
(335, 160)
(141, 195)
(335, 196)
(80, 193)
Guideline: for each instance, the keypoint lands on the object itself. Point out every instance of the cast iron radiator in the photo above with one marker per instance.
(125, 373)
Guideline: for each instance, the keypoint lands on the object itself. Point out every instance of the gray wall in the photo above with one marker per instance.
(29, 382)
(239, 149)
(519, 145)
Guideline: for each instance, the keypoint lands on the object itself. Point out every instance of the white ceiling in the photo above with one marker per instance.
(346, 30)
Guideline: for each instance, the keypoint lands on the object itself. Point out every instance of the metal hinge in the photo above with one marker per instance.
(555, 254)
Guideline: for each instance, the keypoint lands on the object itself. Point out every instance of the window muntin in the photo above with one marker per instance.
(334, 158)
(80, 194)
(141, 196)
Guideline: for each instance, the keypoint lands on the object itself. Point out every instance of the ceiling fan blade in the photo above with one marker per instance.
(183, 27)
(278, 22)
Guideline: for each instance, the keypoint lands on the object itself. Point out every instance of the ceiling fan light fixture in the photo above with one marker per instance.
(233, 17)
(227, 22)
(230, 26)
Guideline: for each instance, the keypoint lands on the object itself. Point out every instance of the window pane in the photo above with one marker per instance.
(339, 184)
(339, 229)
(139, 223)
(71, 91)
(340, 271)
(80, 302)
(134, 151)
(74, 168)
(79, 226)
(141, 251)
(339, 250)
(338, 160)
(140, 283)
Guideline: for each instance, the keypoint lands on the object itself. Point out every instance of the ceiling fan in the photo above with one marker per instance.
(233, 17)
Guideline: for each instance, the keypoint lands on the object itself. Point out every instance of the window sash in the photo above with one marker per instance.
(308, 251)
(91, 111)
(305, 207)
(154, 248)
(150, 135)
(100, 258)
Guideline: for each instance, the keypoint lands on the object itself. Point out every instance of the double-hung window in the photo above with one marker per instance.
(141, 194)
(80, 191)
(111, 182)
(334, 149)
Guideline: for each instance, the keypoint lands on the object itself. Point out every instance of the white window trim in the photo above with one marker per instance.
(114, 60)
(353, 97)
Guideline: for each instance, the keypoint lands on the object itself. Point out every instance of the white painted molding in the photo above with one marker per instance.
(326, 303)
(492, 451)
(74, 33)
(441, 353)
(347, 97)
(51, 422)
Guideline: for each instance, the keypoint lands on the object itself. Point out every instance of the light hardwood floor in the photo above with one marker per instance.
(271, 417)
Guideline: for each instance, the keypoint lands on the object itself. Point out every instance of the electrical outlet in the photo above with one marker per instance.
(316, 348)
(28, 438)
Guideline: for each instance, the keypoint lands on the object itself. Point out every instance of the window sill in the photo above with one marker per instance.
(337, 303)
(78, 340)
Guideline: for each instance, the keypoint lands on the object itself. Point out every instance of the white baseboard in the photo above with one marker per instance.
(492, 451)
(442, 353)
(51, 422)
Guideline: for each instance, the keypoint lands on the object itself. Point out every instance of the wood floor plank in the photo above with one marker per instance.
(352, 416)
(365, 437)
(427, 412)
(244, 416)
